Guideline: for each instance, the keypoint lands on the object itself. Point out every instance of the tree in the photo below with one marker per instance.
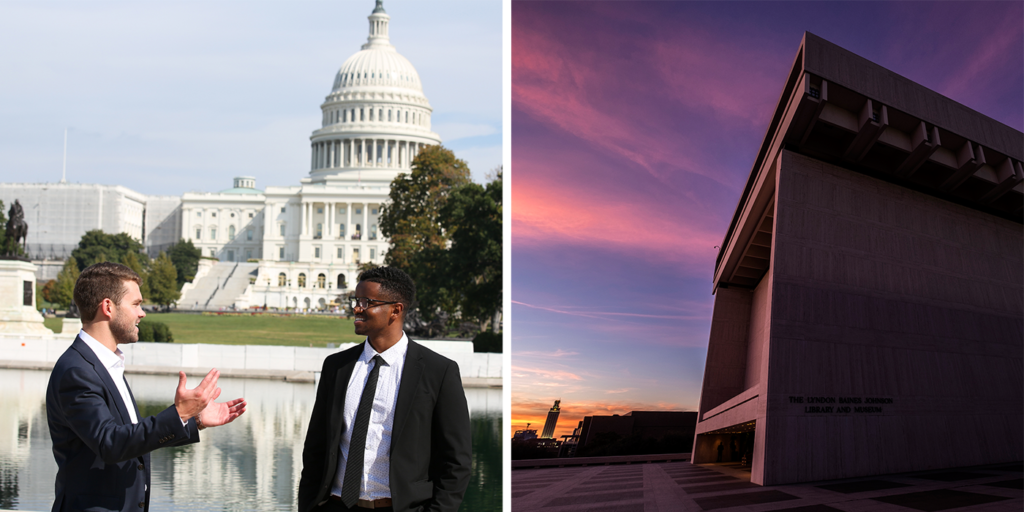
(64, 290)
(96, 246)
(163, 285)
(185, 257)
(49, 290)
(472, 215)
(3, 230)
(131, 260)
(412, 221)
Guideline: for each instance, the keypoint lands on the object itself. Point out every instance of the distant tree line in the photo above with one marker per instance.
(162, 277)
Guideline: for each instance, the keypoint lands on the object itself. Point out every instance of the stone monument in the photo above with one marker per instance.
(17, 228)
(18, 314)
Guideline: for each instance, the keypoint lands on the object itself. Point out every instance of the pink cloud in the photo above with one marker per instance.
(543, 373)
(557, 92)
(543, 212)
(988, 59)
(557, 353)
(734, 79)
(605, 314)
(581, 94)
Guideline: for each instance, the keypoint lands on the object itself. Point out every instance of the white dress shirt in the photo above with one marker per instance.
(114, 363)
(376, 461)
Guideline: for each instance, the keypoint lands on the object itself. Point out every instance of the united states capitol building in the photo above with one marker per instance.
(285, 246)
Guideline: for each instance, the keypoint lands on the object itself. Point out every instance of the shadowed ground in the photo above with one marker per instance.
(681, 486)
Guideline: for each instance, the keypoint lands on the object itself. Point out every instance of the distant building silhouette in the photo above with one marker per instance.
(549, 425)
(525, 434)
(526, 445)
(652, 425)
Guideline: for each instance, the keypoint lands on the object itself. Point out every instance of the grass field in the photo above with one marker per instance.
(53, 324)
(243, 329)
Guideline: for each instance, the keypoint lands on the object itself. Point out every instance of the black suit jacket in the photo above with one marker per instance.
(102, 458)
(431, 449)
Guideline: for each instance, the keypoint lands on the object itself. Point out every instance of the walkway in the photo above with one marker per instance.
(680, 486)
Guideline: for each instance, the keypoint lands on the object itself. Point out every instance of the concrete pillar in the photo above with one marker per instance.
(348, 219)
(366, 227)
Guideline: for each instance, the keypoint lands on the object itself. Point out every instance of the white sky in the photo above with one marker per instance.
(177, 96)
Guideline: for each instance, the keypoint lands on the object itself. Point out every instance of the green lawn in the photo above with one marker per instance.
(53, 324)
(245, 329)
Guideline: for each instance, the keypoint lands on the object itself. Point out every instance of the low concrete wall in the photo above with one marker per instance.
(237, 359)
(599, 461)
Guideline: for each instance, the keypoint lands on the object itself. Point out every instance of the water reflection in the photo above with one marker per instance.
(252, 464)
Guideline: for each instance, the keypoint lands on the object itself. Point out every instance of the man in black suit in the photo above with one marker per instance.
(99, 442)
(390, 426)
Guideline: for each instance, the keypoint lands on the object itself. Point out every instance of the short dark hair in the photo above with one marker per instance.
(395, 284)
(103, 280)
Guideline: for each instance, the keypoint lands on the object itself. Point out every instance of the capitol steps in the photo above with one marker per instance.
(219, 287)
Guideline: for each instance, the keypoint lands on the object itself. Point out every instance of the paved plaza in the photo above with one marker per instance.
(672, 486)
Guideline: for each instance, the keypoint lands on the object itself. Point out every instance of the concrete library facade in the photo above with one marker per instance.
(869, 292)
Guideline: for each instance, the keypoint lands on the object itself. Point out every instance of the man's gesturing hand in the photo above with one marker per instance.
(217, 414)
(190, 402)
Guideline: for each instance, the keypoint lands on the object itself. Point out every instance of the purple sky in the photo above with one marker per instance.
(634, 127)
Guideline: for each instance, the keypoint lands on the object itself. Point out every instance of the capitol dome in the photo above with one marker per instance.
(376, 118)
(375, 67)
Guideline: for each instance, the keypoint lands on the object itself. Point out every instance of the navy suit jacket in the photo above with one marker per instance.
(431, 448)
(102, 458)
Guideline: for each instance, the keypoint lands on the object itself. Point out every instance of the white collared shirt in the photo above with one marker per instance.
(376, 459)
(114, 363)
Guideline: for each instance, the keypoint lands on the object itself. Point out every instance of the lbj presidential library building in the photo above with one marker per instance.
(869, 292)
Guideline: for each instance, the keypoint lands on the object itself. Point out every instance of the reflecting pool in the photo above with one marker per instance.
(251, 464)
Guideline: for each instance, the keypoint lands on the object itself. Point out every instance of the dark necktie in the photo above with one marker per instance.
(357, 446)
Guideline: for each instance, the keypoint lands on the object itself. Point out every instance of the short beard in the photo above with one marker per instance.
(124, 331)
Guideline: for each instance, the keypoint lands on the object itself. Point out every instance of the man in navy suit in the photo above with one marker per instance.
(99, 442)
(390, 426)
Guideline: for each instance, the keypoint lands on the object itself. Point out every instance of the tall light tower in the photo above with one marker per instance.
(549, 424)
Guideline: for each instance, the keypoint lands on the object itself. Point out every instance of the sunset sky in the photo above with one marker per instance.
(634, 127)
